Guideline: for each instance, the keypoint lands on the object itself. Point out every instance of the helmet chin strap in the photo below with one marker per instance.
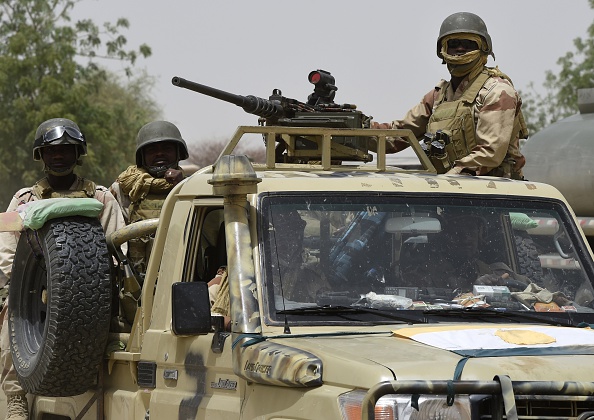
(159, 171)
(64, 172)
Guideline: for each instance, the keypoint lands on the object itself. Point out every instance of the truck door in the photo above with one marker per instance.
(194, 374)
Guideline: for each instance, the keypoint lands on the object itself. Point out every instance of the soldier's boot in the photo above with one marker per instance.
(17, 407)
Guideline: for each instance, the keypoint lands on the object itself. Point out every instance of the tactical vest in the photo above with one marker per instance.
(452, 126)
(139, 249)
(148, 207)
(42, 190)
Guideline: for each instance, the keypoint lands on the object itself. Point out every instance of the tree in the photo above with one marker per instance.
(49, 67)
(560, 97)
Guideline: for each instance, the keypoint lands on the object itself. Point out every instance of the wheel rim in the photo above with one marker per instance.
(35, 305)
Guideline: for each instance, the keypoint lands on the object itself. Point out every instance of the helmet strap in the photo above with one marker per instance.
(159, 171)
(65, 172)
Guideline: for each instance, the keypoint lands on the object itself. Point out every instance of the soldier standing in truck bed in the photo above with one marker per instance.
(471, 124)
(142, 188)
(59, 145)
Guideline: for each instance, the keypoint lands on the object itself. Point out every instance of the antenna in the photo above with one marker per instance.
(287, 330)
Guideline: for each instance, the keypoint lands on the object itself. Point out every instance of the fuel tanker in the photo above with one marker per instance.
(562, 154)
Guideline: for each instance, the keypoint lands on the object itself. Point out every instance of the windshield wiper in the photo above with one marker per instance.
(542, 318)
(409, 317)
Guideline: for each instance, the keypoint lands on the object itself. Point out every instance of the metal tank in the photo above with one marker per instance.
(562, 154)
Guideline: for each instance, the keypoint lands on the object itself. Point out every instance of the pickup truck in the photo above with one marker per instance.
(352, 294)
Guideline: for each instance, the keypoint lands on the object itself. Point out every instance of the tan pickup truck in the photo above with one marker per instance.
(355, 291)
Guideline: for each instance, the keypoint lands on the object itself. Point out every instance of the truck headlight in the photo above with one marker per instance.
(399, 407)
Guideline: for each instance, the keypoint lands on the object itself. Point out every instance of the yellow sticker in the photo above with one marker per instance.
(524, 337)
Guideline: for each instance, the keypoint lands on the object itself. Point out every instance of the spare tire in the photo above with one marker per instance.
(527, 255)
(60, 306)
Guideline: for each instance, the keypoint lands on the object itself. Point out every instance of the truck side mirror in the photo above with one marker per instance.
(190, 308)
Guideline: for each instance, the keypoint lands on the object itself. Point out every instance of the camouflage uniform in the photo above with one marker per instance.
(111, 219)
(494, 111)
(141, 189)
(143, 200)
(303, 283)
(50, 133)
(472, 123)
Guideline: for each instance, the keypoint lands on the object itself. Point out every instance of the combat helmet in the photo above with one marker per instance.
(464, 22)
(58, 131)
(157, 131)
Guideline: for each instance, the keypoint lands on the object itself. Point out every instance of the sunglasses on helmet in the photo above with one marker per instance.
(58, 132)
(467, 44)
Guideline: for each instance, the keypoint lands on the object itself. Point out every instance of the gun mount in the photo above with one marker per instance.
(320, 111)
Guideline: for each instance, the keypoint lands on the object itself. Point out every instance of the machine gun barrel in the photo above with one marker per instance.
(251, 104)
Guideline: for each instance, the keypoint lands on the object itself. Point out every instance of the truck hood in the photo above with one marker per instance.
(479, 352)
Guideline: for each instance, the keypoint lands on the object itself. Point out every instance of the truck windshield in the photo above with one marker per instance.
(421, 253)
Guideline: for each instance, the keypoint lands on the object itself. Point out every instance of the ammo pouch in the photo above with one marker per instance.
(139, 249)
(148, 207)
(441, 164)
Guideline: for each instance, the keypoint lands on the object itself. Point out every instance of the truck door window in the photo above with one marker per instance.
(206, 250)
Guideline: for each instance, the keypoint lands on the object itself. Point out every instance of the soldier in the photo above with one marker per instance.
(298, 277)
(60, 145)
(453, 259)
(142, 188)
(472, 124)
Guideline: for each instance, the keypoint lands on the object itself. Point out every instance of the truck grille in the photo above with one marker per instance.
(542, 407)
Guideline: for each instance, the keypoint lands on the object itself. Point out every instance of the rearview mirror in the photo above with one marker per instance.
(413, 225)
(190, 308)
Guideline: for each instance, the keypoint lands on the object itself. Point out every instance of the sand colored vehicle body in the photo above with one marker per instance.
(374, 341)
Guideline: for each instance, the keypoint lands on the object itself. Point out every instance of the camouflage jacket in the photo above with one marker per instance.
(494, 110)
(111, 219)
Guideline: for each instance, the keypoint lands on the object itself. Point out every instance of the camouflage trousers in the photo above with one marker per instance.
(506, 170)
(8, 376)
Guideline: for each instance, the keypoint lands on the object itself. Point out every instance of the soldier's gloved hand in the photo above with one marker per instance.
(174, 176)
(460, 170)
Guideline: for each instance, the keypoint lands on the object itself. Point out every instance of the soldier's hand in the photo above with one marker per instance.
(492, 279)
(460, 170)
(381, 126)
(174, 176)
(215, 280)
